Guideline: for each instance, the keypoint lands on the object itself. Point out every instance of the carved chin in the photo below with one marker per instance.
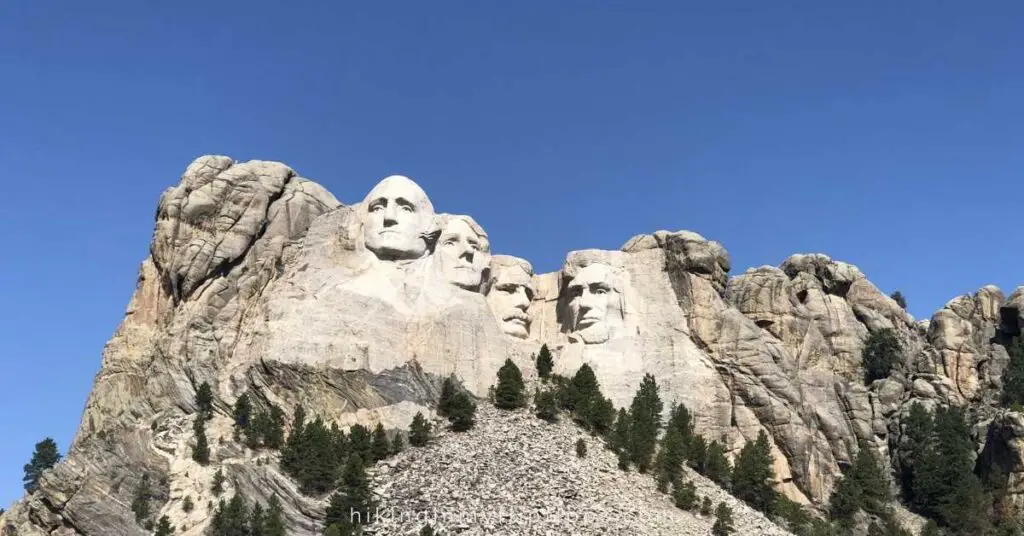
(594, 333)
(515, 328)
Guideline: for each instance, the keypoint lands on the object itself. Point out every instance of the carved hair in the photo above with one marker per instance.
(503, 261)
(442, 220)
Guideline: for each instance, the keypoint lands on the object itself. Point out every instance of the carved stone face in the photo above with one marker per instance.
(595, 305)
(462, 254)
(398, 217)
(509, 295)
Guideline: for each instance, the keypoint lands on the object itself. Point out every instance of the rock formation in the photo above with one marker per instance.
(259, 280)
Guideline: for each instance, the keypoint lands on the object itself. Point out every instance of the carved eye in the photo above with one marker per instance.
(377, 207)
(599, 290)
(407, 208)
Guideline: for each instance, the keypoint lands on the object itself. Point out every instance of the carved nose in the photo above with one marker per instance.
(521, 302)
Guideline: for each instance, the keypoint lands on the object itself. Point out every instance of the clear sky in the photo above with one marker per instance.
(886, 134)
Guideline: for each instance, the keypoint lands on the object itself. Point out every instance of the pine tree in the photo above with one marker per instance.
(204, 400)
(273, 436)
(292, 451)
(44, 457)
(380, 446)
(845, 501)
(723, 521)
(361, 441)
(598, 415)
(448, 390)
(509, 393)
(317, 466)
(242, 414)
(545, 405)
(871, 480)
(684, 495)
(257, 521)
(427, 530)
(231, 518)
(668, 465)
(881, 352)
(397, 444)
(618, 442)
(461, 412)
(752, 476)
(201, 452)
(164, 528)
(274, 522)
(217, 487)
(1013, 375)
(900, 300)
(581, 388)
(645, 421)
(716, 465)
(581, 448)
(545, 363)
(353, 502)
(706, 508)
(419, 431)
(140, 502)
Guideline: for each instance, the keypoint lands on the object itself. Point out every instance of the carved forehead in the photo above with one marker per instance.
(594, 273)
(453, 223)
(398, 186)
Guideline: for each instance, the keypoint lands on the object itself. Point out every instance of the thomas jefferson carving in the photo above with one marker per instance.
(399, 219)
(462, 251)
(509, 291)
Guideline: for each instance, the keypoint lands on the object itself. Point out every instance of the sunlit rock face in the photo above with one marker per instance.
(510, 289)
(260, 281)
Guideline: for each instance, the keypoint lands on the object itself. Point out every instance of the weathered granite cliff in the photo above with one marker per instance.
(259, 280)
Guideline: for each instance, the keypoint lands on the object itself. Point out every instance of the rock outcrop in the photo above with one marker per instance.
(260, 281)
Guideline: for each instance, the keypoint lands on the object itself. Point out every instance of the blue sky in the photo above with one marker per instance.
(886, 134)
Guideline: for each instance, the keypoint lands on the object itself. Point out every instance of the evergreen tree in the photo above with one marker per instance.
(900, 300)
(796, 517)
(361, 441)
(918, 427)
(716, 465)
(723, 521)
(201, 452)
(871, 480)
(353, 502)
(44, 457)
(163, 527)
(380, 447)
(931, 528)
(204, 400)
(598, 415)
(684, 495)
(1013, 375)
(881, 352)
(419, 431)
(845, 501)
(427, 530)
(697, 454)
(274, 522)
(669, 463)
(292, 451)
(706, 508)
(645, 421)
(217, 487)
(581, 448)
(752, 475)
(317, 465)
(242, 414)
(545, 405)
(681, 421)
(448, 390)
(509, 393)
(618, 442)
(140, 502)
(397, 444)
(545, 363)
(581, 388)
(231, 518)
(257, 521)
(273, 436)
(461, 412)
(187, 505)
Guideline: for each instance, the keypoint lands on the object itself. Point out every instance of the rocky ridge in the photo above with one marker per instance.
(260, 280)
